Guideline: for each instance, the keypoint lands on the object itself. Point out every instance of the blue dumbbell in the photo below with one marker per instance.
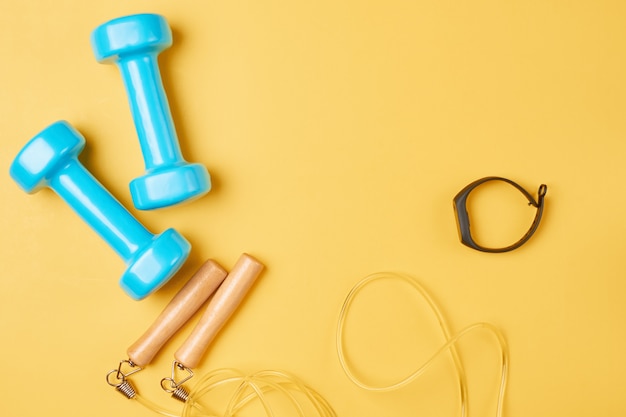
(133, 43)
(50, 159)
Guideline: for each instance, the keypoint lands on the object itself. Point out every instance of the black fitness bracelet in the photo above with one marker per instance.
(462, 217)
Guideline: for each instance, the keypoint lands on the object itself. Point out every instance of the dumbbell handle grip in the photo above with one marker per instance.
(184, 304)
(150, 110)
(220, 308)
(94, 204)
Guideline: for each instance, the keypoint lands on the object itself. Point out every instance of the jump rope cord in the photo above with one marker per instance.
(450, 344)
(247, 388)
(154, 407)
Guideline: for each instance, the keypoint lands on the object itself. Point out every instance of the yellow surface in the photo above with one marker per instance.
(336, 133)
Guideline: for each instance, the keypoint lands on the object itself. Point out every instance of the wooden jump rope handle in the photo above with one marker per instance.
(223, 304)
(184, 304)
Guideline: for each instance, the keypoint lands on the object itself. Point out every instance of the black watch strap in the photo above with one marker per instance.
(463, 222)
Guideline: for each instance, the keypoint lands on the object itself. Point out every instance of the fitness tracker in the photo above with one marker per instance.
(462, 216)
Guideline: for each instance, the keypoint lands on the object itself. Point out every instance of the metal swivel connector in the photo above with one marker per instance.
(174, 387)
(118, 379)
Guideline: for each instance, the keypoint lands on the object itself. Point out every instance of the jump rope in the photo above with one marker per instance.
(270, 391)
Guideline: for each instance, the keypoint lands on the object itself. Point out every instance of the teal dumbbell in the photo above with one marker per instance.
(50, 159)
(133, 44)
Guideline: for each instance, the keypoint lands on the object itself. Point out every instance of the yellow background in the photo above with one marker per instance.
(336, 134)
